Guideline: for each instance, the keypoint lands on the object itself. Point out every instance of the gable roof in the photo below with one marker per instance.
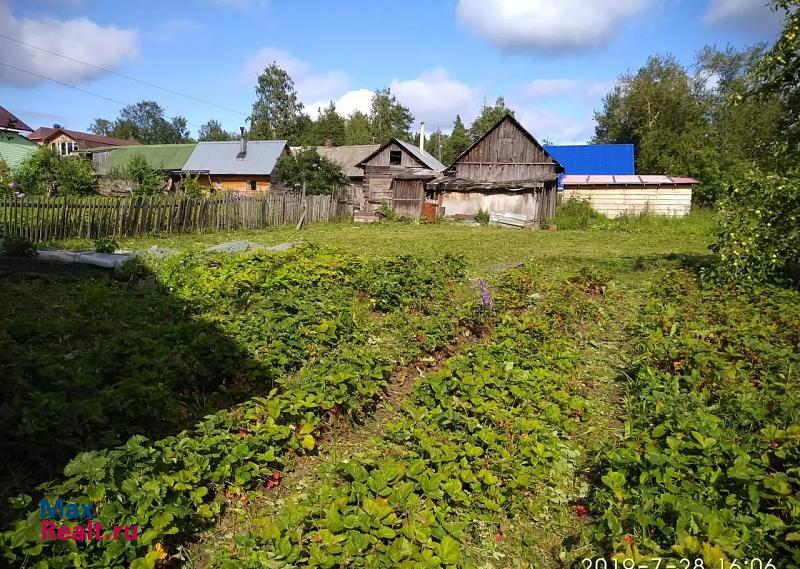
(88, 139)
(222, 157)
(14, 148)
(167, 157)
(9, 121)
(509, 117)
(347, 156)
(425, 159)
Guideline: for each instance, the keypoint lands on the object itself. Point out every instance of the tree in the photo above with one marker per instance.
(45, 172)
(277, 113)
(318, 173)
(102, 127)
(459, 141)
(357, 129)
(144, 180)
(489, 116)
(388, 118)
(329, 126)
(779, 75)
(212, 131)
(438, 144)
(144, 122)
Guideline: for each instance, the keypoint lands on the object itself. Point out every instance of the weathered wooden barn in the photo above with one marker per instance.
(625, 195)
(506, 173)
(395, 174)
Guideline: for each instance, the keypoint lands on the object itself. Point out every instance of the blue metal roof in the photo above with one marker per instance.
(609, 159)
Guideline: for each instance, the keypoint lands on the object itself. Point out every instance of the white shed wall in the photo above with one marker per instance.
(615, 201)
(470, 203)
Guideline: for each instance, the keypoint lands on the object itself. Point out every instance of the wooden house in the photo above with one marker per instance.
(240, 166)
(395, 174)
(506, 172)
(14, 147)
(632, 195)
(68, 142)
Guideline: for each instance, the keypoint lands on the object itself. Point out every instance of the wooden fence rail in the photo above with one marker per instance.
(46, 219)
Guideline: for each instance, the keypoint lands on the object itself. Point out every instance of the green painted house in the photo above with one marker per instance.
(14, 148)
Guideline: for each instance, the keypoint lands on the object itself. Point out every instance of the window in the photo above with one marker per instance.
(252, 185)
(66, 148)
(395, 157)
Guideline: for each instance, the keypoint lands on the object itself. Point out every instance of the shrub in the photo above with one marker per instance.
(318, 173)
(576, 214)
(46, 172)
(105, 244)
(758, 234)
(17, 246)
(191, 186)
(143, 178)
(482, 217)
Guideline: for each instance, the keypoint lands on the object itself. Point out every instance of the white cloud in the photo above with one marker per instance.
(749, 16)
(436, 98)
(546, 88)
(547, 125)
(168, 32)
(548, 25)
(311, 87)
(347, 104)
(80, 38)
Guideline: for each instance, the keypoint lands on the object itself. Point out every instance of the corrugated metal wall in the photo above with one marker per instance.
(594, 158)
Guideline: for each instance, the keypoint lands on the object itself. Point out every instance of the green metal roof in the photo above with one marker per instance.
(14, 148)
(159, 156)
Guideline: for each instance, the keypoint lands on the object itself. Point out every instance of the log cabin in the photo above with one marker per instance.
(395, 175)
(506, 173)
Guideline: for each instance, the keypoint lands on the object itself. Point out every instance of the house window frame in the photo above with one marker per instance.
(395, 157)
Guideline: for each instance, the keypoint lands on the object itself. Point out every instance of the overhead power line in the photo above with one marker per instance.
(86, 91)
(128, 77)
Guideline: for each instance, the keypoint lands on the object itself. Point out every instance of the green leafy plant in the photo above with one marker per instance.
(482, 217)
(576, 214)
(758, 231)
(191, 186)
(319, 174)
(143, 178)
(105, 244)
(17, 246)
(45, 172)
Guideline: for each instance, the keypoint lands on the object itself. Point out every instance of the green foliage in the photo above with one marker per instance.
(388, 118)
(17, 246)
(458, 143)
(105, 244)
(489, 116)
(482, 217)
(357, 129)
(142, 177)
(144, 122)
(306, 311)
(5, 176)
(708, 465)
(329, 127)
(470, 449)
(319, 174)
(277, 113)
(191, 186)
(213, 131)
(576, 214)
(47, 173)
(758, 232)
(779, 73)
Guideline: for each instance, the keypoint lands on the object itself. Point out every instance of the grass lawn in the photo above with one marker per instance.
(486, 249)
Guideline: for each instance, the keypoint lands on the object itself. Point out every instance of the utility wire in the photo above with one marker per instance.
(115, 101)
(128, 77)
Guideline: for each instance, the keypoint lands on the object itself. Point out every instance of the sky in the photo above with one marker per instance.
(552, 60)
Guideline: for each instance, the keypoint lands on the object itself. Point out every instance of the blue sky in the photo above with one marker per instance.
(551, 59)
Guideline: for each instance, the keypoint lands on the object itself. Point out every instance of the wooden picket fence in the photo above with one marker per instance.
(46, 219)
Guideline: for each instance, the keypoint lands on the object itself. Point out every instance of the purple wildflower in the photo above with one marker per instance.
(486, 299)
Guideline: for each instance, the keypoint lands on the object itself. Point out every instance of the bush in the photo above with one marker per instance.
(17, 246)
(47, 173)
(191, 186)
(482, 217)
(143, 178)
(318, 173)
(576, 214)
(105, 244)
(757, 236)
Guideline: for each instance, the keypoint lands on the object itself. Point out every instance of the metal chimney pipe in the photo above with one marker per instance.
(422, 136)
(242, 142)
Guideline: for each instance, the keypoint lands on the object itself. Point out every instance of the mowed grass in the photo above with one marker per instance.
(486, 249)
